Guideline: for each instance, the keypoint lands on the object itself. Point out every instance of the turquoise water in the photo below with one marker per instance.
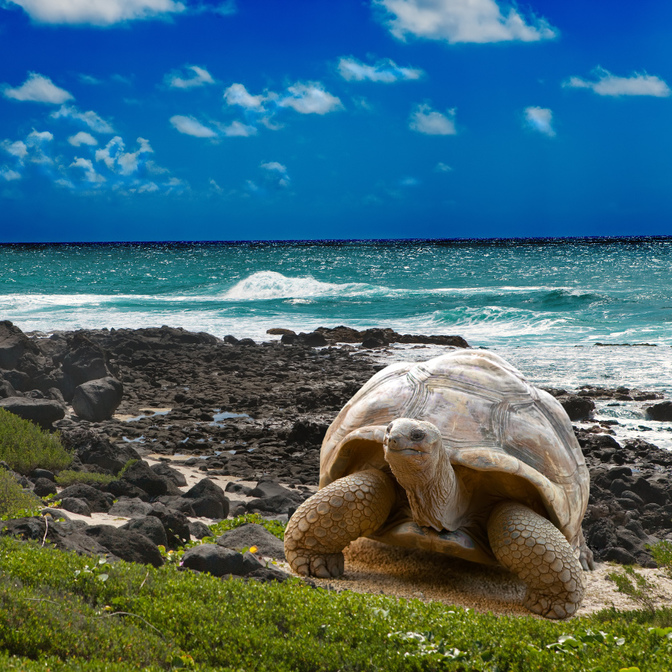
(542, 304)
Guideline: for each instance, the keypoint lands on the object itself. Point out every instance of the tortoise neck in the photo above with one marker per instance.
(436, 496)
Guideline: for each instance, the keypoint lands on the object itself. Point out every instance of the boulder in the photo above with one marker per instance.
(175, 524)
(96, 400)
(132, 507)
(14, 346)
(208, 499)
(252, 534)
(83, 361)
(151, 527)
(76, 505)
(577, 407)
(661, 411)
(162, 469)
(141, 476)
(215, 560)
(42, 412)
(126, 544)
(103, 454)
(67, 536)
(198, 529)
(44, 487)
(98, 501)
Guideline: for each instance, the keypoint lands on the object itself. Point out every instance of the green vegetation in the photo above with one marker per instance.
(637, 587)
(66, 478)
(24, 446)
(69, 613)
(14, 500)
(662, 554)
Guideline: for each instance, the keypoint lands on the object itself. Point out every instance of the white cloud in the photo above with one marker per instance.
(428, 121)
(276, 174)
(384, 70)
(238, 130)
(442, 167)
(82, 138)
(97, 12)
(455, 21)
(90, 118)
(35, 142)
(200, 77)
(121, 162)
(90, 174)
(17, 149)
(191, 126)
(611, 85)
(237, 94)
(540, 119)
(9, 174)
(309, 98)
(38, 89)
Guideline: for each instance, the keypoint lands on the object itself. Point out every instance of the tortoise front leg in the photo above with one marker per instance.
(534, 549)
(349, 508)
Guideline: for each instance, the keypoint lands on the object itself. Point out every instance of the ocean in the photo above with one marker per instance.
(566, 312)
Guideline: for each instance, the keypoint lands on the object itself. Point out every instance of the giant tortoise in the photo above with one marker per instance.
(459, 455)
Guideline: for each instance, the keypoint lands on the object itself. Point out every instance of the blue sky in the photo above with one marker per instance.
(270, 119)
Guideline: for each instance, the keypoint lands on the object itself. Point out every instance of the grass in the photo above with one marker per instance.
(24, 446)
(14, 500)
(70, 613)
(67, 477)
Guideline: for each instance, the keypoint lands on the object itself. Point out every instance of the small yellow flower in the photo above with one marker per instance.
(253, 549)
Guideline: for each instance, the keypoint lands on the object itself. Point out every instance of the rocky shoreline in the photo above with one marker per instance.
(256, 412)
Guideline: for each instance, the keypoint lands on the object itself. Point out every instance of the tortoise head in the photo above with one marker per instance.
(419, 461)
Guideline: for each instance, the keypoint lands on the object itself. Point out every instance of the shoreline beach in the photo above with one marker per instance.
(246, 412)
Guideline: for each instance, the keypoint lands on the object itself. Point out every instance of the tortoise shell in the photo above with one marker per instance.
(492, 421)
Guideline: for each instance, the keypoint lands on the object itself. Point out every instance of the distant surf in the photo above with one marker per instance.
(543, 304)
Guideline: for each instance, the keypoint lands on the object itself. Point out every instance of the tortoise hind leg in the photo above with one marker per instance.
(349, 508)
(534, 549)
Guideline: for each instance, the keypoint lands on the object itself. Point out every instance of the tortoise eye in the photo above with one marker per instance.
(417, 435)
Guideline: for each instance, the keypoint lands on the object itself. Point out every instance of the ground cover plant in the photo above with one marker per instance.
(61, 611)
(24, 446)
(14, 500)
(67, 477)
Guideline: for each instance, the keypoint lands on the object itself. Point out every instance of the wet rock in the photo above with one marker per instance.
(577, 407)
(662, 411)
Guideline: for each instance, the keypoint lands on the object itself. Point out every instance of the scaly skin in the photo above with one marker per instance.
(349, 508)
(537, 552)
